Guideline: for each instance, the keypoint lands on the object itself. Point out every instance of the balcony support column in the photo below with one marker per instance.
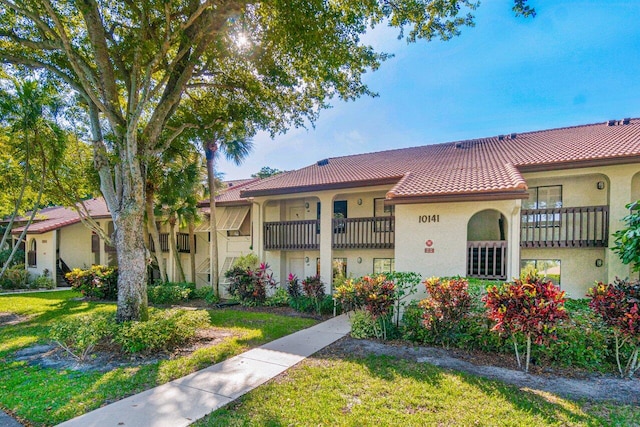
(619, 197)
(513, 250)
(326, 234)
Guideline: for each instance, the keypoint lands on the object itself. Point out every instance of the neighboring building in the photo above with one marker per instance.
(482, 208)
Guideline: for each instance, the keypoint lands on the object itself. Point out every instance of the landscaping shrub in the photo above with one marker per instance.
(246, 262)
(248, 286)
(79, 335)
(378, 296)
(44, 281)
(363, 326)
(18, 257)
(293, 286)
(15, 277)
(279, 299)
(207, 294)
(98, 282)
(313, 288)
(531, 307)
(170, 292)
(448, 303)
(406, 286)
(348, 297)
(305, 304)
(617, 304)
(164, 329)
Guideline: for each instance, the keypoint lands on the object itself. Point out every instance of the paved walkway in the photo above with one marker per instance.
(183, 401)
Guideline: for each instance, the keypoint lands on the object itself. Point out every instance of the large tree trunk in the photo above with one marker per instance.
(210, 151)
(192, 250)
(132, 263)
(155, 235)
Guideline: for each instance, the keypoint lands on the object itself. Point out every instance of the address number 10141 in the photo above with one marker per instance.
(422, 219)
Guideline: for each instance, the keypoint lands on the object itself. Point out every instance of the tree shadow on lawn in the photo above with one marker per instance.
(552, 409)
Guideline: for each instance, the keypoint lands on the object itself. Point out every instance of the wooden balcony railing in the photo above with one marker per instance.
(364, 233)
(565, 227)
(487, 259)
(164, 243)
(292, 235)
(182, 242)
(348, 233)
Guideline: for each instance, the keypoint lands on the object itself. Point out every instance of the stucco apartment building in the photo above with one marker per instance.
(481, 208)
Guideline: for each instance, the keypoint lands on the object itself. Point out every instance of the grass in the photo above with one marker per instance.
(45, 396)
(380, 390)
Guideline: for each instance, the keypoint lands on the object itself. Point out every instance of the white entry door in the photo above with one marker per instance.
(296, 266)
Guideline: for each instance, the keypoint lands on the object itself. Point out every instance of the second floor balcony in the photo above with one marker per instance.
(347, 233)
(577, 227)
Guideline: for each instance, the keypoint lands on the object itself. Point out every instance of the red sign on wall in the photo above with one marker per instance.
(428, 249)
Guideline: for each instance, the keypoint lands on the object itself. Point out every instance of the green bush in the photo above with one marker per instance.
(170, 292)
(248, 286)
(18, 257)
(206, 293)
(44, 281)
(246, 262)
(15, 277)
(79, 335)
(279, 299)
(164, 329)
(98, 282)
(362, 325)
(306, 304)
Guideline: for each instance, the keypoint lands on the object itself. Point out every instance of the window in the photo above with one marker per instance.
(547, 268)
(31, 255)
(384, 265)
(339, 267)
(340, 212)
(546, 197)
(235, 221)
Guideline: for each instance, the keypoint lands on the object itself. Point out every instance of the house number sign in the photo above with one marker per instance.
(423, 219)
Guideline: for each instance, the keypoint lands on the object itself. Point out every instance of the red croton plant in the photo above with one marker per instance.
(617, 304)
(531, 306)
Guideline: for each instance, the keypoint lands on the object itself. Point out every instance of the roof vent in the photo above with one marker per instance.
(459, 145)
(500, 137)
(323, 162)
(611, 123)
(231, 184)
(626, 121)
(513, 135)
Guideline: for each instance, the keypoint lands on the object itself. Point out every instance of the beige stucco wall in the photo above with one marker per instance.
(578, 270)
(75, 246)
(577, 190)
(46, 253)
(448, 236)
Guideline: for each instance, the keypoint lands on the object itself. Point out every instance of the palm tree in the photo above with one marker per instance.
(236, 146)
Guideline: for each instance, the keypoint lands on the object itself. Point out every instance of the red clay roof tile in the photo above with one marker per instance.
(52, 218)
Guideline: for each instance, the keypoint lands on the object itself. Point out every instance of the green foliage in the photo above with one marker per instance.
(97, 282)
(18, 258)
(447, 304)
(266, 172)
(627, 240)
(15, 277)
(246, 262)
(170, 292)
(164, 329)
(363, 326)
(313, 288)
(44, 281)
(304, 304)
(406, 286)
(208, 294)
(279, 299)
(79, 335)
(293, 286)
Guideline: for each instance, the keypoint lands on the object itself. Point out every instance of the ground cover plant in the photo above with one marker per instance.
(383, 390)
(46, 396)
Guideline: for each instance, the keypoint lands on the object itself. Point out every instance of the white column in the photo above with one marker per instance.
(513, 262)
(619, 197)
(326, 233)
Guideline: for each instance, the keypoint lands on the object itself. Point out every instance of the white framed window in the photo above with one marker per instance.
(546, 268)
(384, 265)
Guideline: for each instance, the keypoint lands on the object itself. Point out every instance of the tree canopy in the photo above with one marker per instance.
(148, 72)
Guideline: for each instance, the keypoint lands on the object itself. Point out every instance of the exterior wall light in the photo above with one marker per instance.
(306, 259)
(359, 201)
(599, 262)
(600, 185)
(306, 205)
(359, 260)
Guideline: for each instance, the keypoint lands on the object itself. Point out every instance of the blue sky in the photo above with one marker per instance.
(576, 62)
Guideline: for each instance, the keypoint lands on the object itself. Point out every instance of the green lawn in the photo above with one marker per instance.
(383, 391)
(49, 396)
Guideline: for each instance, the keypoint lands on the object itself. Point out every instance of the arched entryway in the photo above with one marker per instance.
(487, 245)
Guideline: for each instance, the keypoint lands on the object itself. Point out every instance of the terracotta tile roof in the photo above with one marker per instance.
(231, 195)
(485, 166)
(52, 218)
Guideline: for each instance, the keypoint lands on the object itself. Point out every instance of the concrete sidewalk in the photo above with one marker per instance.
(183, 401)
